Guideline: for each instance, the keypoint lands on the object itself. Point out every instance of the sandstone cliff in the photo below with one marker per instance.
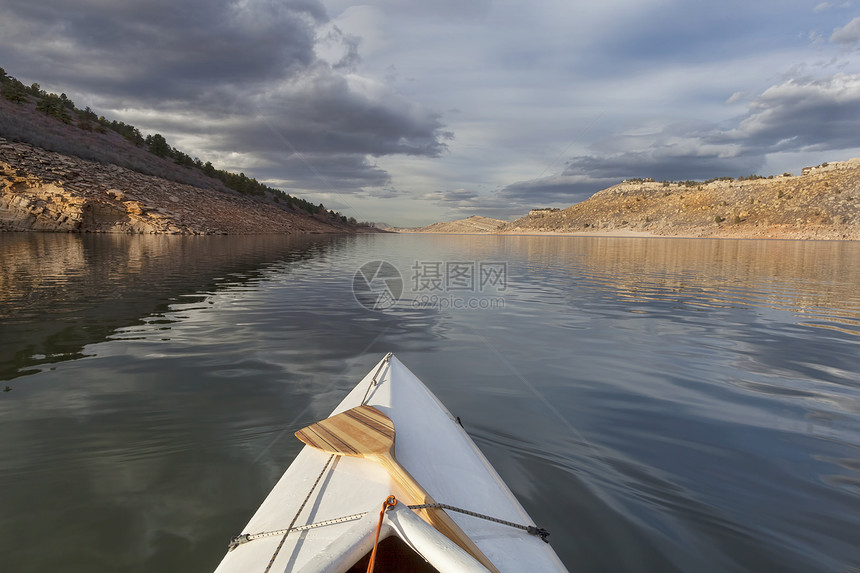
(473, 224)
(821, 204)
(47, 191)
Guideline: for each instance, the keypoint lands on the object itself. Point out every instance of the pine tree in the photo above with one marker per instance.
(157, 145)
(14, 91)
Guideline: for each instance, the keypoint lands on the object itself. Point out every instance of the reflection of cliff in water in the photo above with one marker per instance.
(60, 292)
(817, 280)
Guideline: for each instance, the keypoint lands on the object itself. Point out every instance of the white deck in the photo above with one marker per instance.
(432, 447)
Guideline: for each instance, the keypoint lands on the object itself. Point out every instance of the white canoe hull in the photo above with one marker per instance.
(435, 450)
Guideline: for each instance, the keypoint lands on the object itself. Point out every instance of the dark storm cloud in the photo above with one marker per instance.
(802, 115)
(323, 172)
(152, 50)
(661, 163)
(241, 76)
(445, 10)
(461, 203)
(516, 200)
(453, 196)
(557, 191)
(323, 113)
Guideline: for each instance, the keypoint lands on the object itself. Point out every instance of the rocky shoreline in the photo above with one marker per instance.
(46, 191)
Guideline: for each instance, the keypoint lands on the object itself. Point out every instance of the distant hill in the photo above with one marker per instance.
(822, 203)
(473, 224)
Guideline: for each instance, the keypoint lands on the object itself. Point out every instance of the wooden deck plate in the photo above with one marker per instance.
(360, 431)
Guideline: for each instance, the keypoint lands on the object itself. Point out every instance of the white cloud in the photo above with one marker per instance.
(849, 34)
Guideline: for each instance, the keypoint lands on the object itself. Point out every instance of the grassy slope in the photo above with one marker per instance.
(21, 122)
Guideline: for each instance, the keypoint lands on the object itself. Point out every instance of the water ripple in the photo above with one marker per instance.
(659, 405)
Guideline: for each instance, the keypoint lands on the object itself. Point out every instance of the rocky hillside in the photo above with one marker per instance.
(67, 169)
(46, 191)
(823, 203)
(473, 224)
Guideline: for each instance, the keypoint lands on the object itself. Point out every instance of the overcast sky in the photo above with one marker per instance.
(409, 112)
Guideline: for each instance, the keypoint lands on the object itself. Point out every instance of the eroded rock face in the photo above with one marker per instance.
(46, 191)
(28, 203)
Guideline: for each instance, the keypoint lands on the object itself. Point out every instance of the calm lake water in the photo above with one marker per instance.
(656, 404)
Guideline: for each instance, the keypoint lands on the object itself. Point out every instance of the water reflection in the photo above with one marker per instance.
(815, 280)
(60, 292)
(659, 405)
